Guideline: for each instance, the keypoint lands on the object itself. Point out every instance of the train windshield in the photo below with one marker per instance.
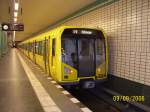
(83, 49)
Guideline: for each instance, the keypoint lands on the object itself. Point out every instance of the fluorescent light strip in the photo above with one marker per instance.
(15, 19)
(16, 6)
(15, 14)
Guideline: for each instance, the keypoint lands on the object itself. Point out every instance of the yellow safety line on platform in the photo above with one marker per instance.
(47, 103)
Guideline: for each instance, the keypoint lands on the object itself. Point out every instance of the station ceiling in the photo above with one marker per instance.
(39, 14)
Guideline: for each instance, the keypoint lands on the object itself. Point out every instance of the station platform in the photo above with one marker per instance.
(24, 87)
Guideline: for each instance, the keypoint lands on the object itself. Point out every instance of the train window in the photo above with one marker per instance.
(69, 52)
(33, 48)
(29, 47)
(36, 47)
(53, 47)
(44, 47)
(100, 47)
(100, 51)
(40, 48)
(85, 47)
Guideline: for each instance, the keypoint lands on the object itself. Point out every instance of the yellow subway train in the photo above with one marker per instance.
(70, 55)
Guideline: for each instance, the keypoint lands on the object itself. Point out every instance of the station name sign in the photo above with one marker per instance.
(12, 27)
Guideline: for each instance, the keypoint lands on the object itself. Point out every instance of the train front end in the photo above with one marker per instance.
(84, 57)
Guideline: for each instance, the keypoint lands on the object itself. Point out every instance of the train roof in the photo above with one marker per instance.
(53, 32)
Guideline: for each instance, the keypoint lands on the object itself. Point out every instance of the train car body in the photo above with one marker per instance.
(70, 55)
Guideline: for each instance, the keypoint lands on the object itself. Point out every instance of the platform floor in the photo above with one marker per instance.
(18, 93)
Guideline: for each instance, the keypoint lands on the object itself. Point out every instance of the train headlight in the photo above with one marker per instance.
(99, 73)
(99, 70)
(67, 71)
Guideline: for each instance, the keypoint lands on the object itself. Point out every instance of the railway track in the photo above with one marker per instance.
(101, 100)
(96, 104)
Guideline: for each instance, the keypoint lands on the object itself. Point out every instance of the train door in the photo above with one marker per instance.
(34, 51)
(86, 57)
(53, 58)
(46, 55)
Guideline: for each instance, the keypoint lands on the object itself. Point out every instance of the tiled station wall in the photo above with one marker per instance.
(127, 25)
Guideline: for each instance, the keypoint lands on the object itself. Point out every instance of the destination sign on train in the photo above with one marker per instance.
(81, 31)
